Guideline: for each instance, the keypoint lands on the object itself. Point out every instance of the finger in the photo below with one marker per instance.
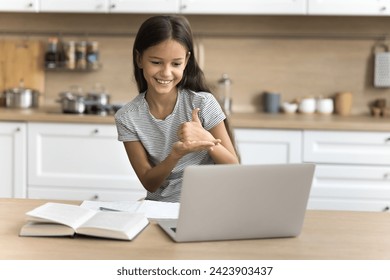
(195, 116)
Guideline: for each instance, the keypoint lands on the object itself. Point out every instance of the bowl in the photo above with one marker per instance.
(289, 108)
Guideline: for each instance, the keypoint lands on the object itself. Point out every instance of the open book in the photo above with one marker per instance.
(57, 219)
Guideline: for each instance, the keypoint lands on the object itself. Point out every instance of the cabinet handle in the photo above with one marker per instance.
(95, 197)
(113, 6)
(386, 209)
(382, 9)
(387, 140)
(95, 131)
(18, 129)
(30, 5)
(183, 7)
(386, 176)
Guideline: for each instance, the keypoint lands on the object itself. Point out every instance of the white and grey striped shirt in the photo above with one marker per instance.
(135, 123)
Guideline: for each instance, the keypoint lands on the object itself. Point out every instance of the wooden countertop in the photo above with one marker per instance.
(237, 120)
(326, 235)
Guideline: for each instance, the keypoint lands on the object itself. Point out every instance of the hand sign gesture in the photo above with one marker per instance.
(193, 137)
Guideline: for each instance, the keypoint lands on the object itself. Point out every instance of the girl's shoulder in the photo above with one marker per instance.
(132, 106)
(197, 96)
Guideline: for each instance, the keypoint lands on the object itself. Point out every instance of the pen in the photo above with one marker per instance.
(108, 209)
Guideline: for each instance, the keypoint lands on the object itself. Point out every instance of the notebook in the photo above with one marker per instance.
(228, 202)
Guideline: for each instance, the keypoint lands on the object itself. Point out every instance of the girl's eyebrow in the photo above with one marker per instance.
(156, 57)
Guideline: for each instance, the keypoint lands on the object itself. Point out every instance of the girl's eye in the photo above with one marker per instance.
(176, 64)
(155, 62)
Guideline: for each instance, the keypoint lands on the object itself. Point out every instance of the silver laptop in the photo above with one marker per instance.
(227, 202)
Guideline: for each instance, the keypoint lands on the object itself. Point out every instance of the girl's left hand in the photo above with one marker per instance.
(183, 148)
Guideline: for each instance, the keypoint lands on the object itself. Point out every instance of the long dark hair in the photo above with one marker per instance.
(161, 28)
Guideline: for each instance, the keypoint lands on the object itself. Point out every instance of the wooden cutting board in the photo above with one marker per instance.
(22, 59)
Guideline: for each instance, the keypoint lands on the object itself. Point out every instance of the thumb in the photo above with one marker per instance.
(195, 117)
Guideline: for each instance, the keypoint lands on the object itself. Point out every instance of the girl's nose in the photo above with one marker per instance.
(166, 70)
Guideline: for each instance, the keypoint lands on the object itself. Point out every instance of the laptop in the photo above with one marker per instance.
(230, 202)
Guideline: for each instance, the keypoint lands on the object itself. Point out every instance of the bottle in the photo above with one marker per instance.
(81, 55)
(224, 95)
(51, 53)
(93, 55)
(70, 55)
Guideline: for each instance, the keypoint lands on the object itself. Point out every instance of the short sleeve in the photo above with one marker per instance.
(211, 112)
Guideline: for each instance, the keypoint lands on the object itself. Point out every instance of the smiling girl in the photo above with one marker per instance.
(175, 121)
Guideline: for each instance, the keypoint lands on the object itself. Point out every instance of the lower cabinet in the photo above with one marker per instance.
(13, 142)
(80, 162)
(353, 170)
(268, 146)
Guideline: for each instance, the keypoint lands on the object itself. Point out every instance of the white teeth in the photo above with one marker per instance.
(163, 82)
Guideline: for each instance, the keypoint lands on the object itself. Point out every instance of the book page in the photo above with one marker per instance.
(151, 209)
(159, 210)
(120, 225)
(67, 214)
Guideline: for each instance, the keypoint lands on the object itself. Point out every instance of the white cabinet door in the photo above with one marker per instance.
(347, 147)
(350, 187)
(144, 6)
(79, 159)
(19, 5)
(267, 146)
(13, 159)
(74, 6)
(349, 7)
(296, 7)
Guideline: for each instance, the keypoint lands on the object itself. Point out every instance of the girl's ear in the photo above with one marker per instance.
(138, 59)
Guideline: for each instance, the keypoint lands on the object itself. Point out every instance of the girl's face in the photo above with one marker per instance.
(163, 66)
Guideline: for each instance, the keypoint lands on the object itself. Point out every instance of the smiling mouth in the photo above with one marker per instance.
(163, 82)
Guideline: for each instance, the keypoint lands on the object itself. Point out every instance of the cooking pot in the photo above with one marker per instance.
(97, 100)
(21, 97)
(72, 103)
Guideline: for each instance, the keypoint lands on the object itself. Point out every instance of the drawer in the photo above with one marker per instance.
(343, 187)
(346, 147)
(72, 193)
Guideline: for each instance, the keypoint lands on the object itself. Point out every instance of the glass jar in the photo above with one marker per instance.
(224, 93)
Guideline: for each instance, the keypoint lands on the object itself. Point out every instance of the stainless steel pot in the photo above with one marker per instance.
(97, 103)
(72, 103)
(21, 98)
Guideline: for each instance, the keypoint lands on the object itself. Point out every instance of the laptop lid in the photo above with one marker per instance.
(222, 202)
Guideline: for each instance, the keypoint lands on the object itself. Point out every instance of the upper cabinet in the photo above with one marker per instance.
(20, 6)
(74, 6)
(349, 7)
(144, 6)
(281, 7)
(204, 7)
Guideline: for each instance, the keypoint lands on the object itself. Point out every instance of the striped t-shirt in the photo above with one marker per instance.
(135, 123)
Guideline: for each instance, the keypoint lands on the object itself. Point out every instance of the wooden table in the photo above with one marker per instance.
(326, 235)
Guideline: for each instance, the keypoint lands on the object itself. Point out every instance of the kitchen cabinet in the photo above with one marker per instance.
(79, 162)
(353, 169)
(110, 6)
(268, 146)
(351, 7)
(281, 7)
(144, 6)
(74, 6)
(19, 6)
(13, 159)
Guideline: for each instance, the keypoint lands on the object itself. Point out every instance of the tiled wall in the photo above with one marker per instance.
(296, 56)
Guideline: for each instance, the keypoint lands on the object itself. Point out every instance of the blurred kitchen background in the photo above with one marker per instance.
(295, 55)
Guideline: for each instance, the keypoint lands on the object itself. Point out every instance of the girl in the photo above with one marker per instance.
(175, 121)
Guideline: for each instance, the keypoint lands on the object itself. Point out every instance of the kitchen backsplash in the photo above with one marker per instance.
(296, 56)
